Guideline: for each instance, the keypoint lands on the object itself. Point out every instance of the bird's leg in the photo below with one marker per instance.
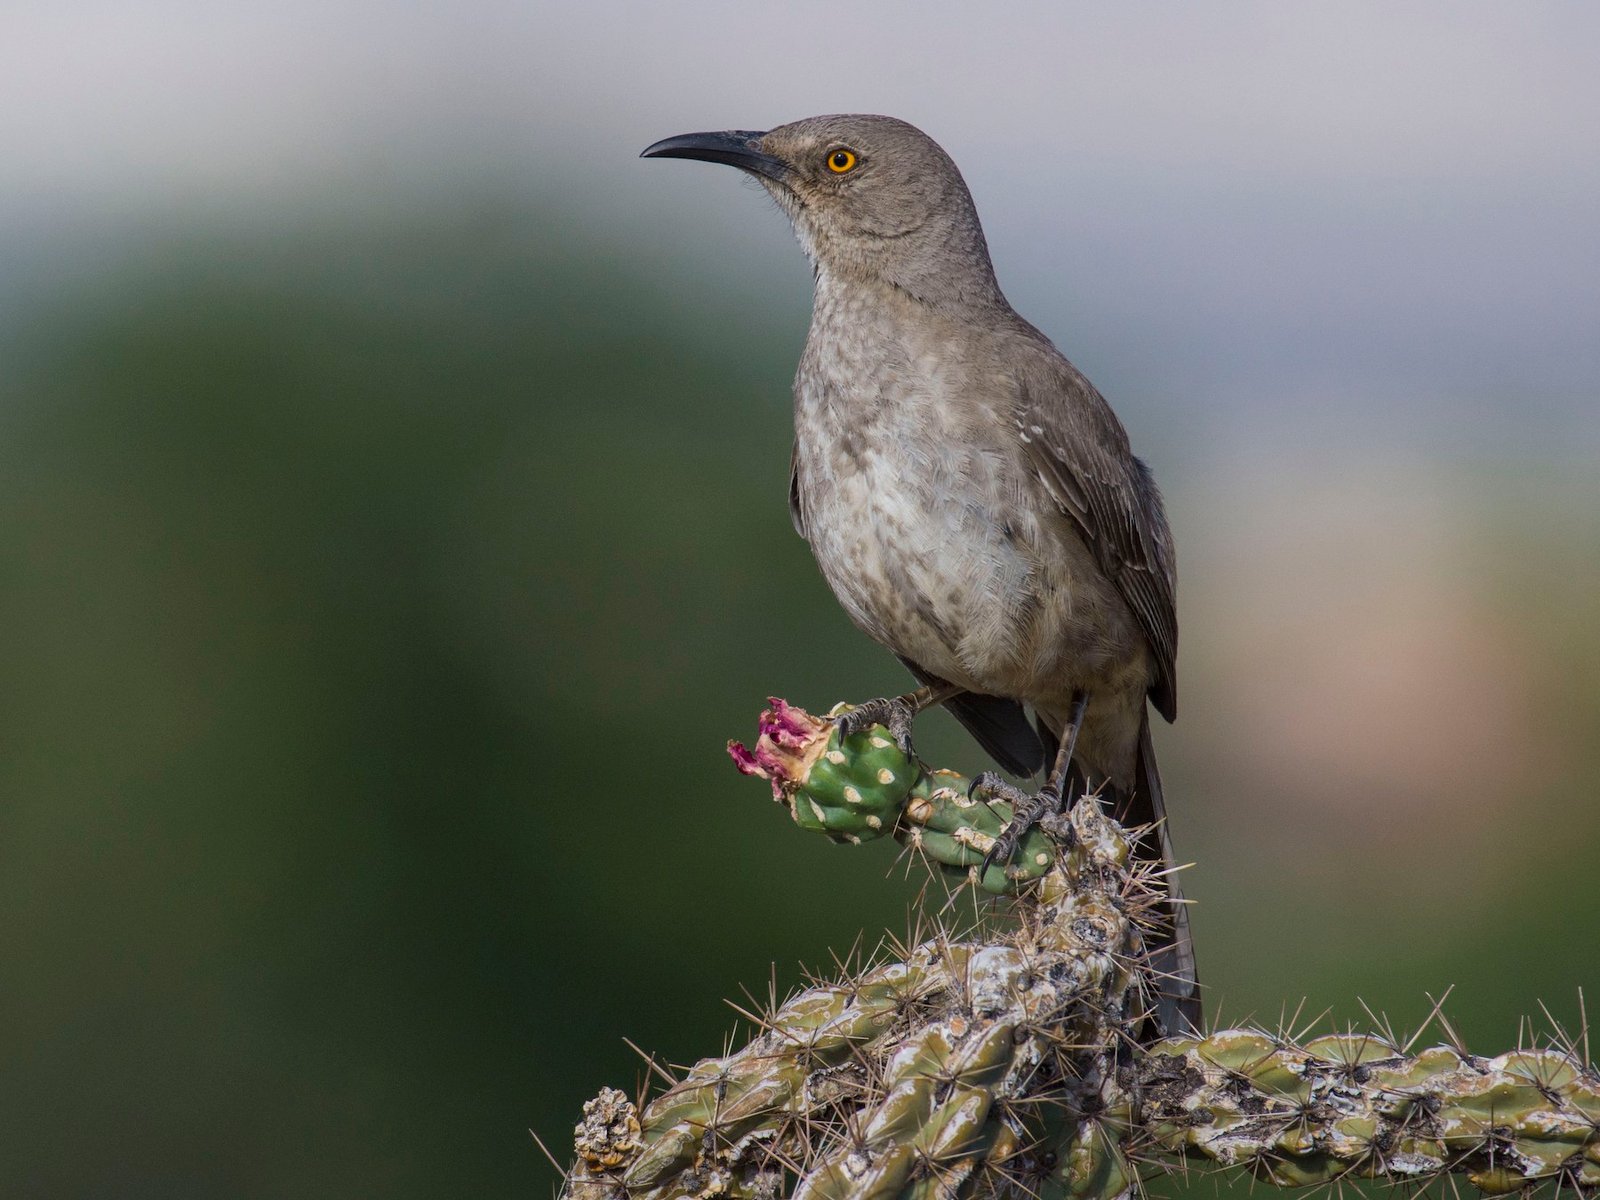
(895, 713)
(1027, 810)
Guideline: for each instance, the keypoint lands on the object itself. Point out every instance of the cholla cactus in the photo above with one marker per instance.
(864, 786)
(1007, 1065)
(1355, 1105)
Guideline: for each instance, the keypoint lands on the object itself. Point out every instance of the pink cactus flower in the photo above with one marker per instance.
(791, 740)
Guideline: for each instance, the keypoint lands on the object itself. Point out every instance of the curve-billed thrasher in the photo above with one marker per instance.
(970, 498)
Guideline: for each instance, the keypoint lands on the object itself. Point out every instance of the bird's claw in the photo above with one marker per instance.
(894, 713)
(987, 785)
(1026, 813)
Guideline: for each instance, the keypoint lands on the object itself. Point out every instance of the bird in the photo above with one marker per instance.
(971, 499)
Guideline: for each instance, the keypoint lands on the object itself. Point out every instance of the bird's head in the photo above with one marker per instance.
(871, 198)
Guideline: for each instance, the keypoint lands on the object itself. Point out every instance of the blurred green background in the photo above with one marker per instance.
(388, 551)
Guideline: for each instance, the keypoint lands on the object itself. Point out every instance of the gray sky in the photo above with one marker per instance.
(1263, 208)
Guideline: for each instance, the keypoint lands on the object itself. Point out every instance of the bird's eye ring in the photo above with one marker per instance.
(841, 161)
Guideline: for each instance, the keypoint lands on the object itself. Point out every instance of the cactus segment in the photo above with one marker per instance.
(863, 787)
(1360, 1107)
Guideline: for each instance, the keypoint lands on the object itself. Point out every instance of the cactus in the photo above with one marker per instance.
(1357, 1106)
(865, 786)
(1008, 1064)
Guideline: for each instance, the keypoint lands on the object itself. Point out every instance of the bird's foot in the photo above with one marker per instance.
(894, 713)
(1026, 813)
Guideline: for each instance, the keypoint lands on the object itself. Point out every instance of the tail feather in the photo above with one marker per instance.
(999, 725)
(1172, 946)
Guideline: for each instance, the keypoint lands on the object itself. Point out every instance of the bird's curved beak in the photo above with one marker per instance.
(736, 147)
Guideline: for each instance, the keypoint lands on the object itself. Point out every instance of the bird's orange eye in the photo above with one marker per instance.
(842, 160)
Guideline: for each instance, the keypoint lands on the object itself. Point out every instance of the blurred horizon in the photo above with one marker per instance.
(393, 469)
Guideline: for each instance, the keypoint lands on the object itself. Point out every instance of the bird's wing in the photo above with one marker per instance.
(1081, 453)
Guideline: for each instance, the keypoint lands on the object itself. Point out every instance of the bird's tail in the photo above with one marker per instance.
(1177, 1001)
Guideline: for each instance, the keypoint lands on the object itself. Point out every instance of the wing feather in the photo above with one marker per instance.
(1081, 453)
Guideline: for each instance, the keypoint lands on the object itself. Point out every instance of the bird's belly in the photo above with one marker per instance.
(960, 569)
